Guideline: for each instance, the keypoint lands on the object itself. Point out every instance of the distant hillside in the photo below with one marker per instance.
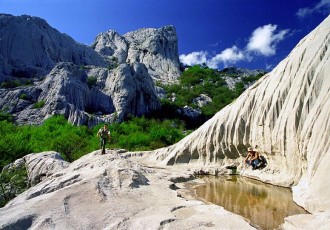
(201, 92)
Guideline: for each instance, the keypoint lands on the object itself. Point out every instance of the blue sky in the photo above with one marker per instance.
(254, 34)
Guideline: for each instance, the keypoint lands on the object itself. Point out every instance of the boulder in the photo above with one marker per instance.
(42, 165)
(190, 112)
(202, 100)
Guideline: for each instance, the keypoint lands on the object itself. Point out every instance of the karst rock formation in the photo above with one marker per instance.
(286, 114)
(104, 82)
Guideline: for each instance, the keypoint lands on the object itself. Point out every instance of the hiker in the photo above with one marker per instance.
(252, 158)
(104, 134)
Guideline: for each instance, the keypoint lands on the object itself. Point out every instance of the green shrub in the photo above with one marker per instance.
(5, 116)
(13, 181)
(91, 81)
(10, 84)
(57, 134)
(23, 96)
(38, 105)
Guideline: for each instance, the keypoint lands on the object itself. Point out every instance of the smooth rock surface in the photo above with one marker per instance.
(111, 192)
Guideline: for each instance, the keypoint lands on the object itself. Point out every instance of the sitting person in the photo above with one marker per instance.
(252, 158)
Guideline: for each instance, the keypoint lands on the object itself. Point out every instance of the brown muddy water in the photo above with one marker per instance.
(263, 204)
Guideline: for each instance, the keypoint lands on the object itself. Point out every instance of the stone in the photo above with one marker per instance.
(189, 112)
(112, 192)
(42, 165)
(202, 100)
(111, 44)
(107, 82)
(127, 90)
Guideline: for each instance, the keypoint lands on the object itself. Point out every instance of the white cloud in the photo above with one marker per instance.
(264, 40)
(194, 58)
(229, 55)
(322, 7)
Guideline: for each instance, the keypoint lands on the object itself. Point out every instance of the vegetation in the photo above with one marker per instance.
(10, 84)
(91, 81)
(38, 105)
(13, 181)
(15, 83)
(199, 80)
(75, 141)
(23, 96)
(5, 116)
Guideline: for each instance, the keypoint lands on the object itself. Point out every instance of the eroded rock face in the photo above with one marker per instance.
(42, 165)
(157, 49)
(30, 47)
(285, 113)
(126, 90)
(54, 72)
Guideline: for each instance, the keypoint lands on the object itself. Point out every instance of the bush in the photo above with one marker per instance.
(91, 81)
(23, 96)
(38, 105)
(10, 84)
(5, 116)
(57, 134)
(13, 181)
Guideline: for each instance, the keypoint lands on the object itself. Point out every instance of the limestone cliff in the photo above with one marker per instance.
(126, 90)
(287, 114)
(56, 75)
(157, 49)
(30, 47)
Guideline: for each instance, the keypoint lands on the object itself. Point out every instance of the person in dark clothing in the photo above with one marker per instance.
(104, 134)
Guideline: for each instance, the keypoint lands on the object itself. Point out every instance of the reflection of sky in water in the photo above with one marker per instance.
(263, 204)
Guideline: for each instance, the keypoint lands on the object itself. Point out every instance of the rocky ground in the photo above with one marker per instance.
(114, 191)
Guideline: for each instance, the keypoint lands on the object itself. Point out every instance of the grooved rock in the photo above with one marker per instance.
(42, 165)
(157, 49)
(287, 114)
(133, 90)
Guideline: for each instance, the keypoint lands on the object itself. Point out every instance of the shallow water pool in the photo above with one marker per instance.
(263, 204)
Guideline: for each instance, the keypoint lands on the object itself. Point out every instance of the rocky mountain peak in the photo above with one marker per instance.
(157, 49)
(30, 47)
(112, 78)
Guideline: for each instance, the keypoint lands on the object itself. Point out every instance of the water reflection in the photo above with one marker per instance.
(263, 204)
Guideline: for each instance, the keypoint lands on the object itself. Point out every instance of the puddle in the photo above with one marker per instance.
(263, 204)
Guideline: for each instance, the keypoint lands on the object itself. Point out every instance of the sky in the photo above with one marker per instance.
(253, 34)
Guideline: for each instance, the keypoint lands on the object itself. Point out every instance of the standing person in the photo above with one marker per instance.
(104, 134)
